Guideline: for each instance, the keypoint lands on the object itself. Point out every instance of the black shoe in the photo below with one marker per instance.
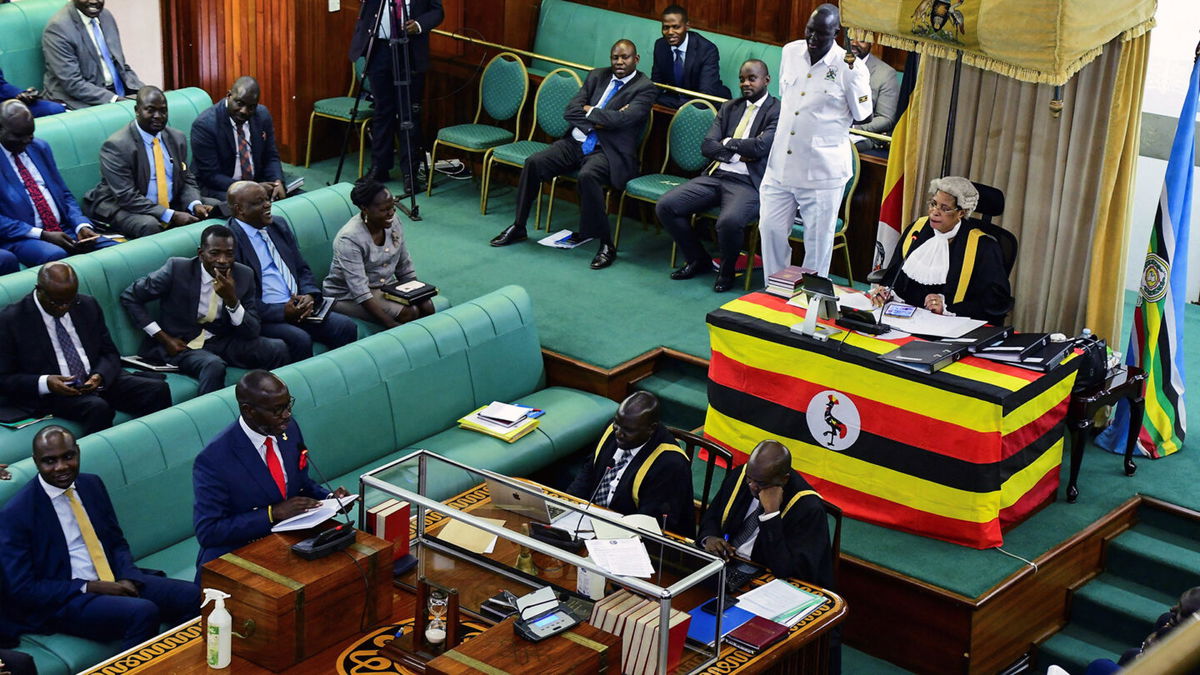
(722, 284)
(604, 257)
(691, 269)
(511, 235)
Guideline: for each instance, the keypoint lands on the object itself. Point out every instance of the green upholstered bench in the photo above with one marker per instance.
(21, 26)
(315, 216)
(76, 135)
(564, 29)
(360, 406)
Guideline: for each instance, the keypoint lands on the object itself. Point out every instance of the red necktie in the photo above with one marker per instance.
(49, 222)
(275, 468)
(244, 153)
(400, 6)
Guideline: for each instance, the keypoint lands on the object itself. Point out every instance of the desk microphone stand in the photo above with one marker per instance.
(401, 58)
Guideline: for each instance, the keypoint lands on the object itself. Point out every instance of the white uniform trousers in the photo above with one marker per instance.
(776, 214)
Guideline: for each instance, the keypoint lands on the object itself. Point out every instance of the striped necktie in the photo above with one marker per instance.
(749, 528)
(284, 272)
(244, 159)
(620, 459)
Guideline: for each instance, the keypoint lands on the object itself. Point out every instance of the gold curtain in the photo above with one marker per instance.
(1051, 172)
(1110, 241)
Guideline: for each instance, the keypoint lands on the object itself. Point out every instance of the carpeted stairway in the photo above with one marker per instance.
(1147, 568)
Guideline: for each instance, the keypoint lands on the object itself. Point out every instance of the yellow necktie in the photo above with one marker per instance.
(94, 549)
(745, 121)
(160, 175)
(198, 341)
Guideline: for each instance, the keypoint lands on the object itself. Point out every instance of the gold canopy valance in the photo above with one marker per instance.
(1042, 41)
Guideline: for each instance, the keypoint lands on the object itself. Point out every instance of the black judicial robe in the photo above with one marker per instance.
(987, 295)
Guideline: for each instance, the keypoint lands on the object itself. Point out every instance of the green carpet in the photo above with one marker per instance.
(609, 316)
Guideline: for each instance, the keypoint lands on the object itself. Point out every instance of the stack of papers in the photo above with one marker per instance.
(502, 420)
(780, 602)
(470, 537)
(626, 557)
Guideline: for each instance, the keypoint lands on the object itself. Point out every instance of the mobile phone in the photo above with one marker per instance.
(710, 607)
(899, 310)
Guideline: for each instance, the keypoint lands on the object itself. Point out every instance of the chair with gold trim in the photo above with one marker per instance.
(338, 109)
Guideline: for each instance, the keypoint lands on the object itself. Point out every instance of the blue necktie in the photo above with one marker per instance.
(70, 354)
(589, 143)
(118, 83)
(284, 272)
(678, 67)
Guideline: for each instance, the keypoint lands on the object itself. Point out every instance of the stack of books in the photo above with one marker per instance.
(505, 421)
(756, 634)
(636, 621)
(786, 282)
(410, 292)
(389, 520)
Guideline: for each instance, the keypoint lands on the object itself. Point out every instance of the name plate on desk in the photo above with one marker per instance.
(299, 607)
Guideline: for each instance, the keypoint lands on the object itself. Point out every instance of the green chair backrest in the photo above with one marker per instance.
(686, 133)
(550, 101)
(357, 67)
(77, 135)
(503, 88)
(848, 191)
(21, 26)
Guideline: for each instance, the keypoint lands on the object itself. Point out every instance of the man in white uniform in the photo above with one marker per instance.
(810, 159)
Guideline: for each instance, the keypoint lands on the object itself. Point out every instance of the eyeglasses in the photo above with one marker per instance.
(933, 204)
(279, 411)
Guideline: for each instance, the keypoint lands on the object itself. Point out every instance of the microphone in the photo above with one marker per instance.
(332, 540)
(595, 491)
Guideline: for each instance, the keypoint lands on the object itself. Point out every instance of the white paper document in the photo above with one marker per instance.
(562, 239)
(633, 522)
(503, 413)
(780, 602)
(925, 322)
(327, 509)
(627, 557)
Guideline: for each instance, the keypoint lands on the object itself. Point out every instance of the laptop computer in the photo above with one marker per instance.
(533, 506)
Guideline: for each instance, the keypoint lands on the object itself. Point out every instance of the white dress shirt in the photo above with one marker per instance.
(819, 101)
(206, 291)
(260, 444)
(682, 54)
(577, 133)
(735, 163)
(43, 389)
(81, 560)
(36, 231)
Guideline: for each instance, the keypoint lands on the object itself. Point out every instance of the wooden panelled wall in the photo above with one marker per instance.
(776, 21)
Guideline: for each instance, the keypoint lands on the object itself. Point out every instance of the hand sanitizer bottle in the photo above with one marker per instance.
(218, 647)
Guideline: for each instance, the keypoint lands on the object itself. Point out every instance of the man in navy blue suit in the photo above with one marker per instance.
(254, 473)
(39, 218)
(685, 59)
(38, 105)
(235, 140)
(288, 292)
(65, 561)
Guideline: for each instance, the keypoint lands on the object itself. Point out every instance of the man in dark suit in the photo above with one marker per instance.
(85, 64)
(639, 468)
(145, 184)
(289, 293)
(414, 19)
(39, 218)
(56, 357)
(768, 513)
(254, 473)
(885, 96)
(738, 141)
(607, 118)
(65, 561)
(38, 104)
(686, 59)
(208, 313)
(235, 140)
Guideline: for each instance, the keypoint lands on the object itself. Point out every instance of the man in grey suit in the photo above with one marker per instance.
(133, 196)
(208, 313)
(885, 94)
(85, 64)
(738, 142)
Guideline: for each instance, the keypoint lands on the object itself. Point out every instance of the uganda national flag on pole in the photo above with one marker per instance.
(1156, 339)
(891, 210)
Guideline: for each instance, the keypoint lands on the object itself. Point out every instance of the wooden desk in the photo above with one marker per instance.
(181, 650)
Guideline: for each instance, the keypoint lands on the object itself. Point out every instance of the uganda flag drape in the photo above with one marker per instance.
(958, 454)
(892, 212)
(1156, 339)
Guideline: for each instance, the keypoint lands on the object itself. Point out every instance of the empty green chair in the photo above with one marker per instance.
(502, 92)
(684, 137)
(549, 103)
(338, 109)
